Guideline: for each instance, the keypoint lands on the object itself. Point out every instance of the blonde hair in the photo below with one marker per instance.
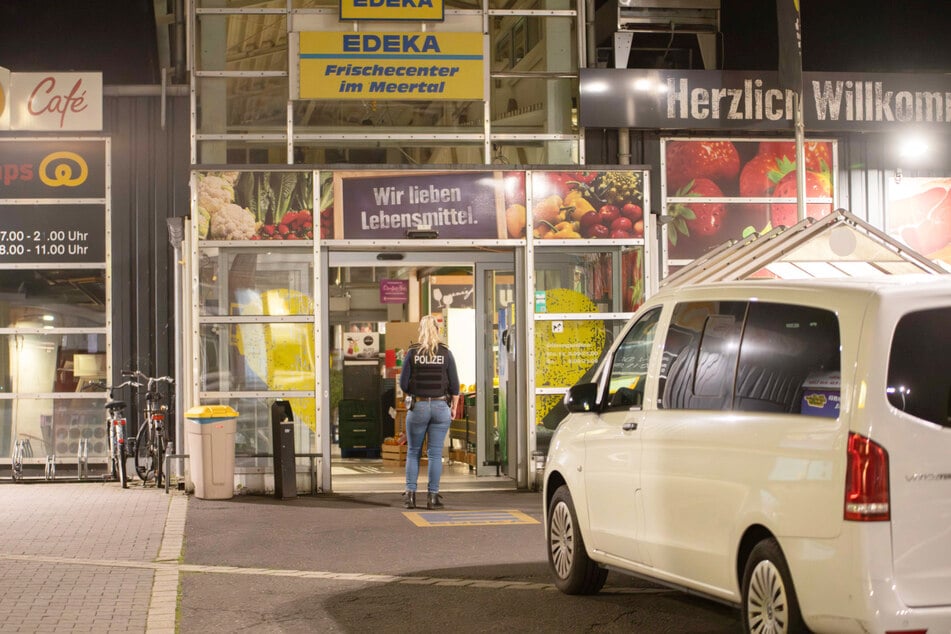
(429, 334)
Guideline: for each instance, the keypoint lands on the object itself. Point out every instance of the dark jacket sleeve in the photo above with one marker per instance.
(451, 373)
(405, 372)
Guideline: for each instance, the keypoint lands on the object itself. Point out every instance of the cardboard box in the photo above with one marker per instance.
(400, 335)
(395, 455)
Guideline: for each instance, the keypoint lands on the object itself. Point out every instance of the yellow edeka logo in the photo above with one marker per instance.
(62, 175)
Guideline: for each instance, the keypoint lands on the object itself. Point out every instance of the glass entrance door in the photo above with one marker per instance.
(466, 290)
(496, 396)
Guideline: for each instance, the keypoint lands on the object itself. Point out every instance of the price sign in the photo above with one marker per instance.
(35, 234)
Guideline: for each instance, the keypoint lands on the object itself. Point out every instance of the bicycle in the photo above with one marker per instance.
(115, 430)
(149, 451)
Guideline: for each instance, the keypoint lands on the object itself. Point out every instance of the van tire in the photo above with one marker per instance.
(574, 571)
(769, 601)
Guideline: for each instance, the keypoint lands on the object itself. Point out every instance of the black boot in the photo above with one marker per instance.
(409, 500)
(434, 501)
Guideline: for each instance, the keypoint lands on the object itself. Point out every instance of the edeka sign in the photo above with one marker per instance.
(404, 66)
(735, 100)
(387, 205)
(56, 101)
(38, 168)
(414, 10)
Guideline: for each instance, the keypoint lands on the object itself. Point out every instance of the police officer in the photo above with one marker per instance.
(430, 380)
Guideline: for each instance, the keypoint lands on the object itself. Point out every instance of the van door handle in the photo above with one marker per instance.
(629, 426)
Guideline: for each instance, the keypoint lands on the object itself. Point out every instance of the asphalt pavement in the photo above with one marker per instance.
(92, 557)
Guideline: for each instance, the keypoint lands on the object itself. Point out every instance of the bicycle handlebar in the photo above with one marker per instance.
(151, 381)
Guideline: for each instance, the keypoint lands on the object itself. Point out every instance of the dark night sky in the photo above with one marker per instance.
(843, 35)
(118, 36)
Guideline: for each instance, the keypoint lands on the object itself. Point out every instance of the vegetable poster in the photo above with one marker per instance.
(274, 205)
(719, 190)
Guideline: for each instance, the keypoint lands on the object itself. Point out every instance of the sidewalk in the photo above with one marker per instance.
(89, 557)
(92, 557)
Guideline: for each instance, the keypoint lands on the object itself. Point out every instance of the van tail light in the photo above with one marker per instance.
(866, 481)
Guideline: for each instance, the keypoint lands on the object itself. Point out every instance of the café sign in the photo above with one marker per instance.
(50, 102)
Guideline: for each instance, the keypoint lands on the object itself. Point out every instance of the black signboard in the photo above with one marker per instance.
(62, 168)
(40, 234)
(754, 100)
(395, 205)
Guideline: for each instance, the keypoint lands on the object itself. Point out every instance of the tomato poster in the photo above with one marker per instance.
(918, 213)
(718, 190)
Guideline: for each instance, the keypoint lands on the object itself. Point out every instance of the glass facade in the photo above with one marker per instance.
(248, 75)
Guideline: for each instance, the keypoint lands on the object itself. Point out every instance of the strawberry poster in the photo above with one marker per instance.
(718, 190)
(919, 214)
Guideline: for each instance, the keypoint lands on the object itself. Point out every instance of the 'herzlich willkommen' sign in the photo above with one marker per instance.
(730, 100)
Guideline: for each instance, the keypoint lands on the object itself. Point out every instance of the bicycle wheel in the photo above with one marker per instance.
(144, 455)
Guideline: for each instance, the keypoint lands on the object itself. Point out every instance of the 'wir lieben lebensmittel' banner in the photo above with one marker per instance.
(405, 66)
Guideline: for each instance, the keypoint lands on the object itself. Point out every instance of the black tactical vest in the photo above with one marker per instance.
(429, 376)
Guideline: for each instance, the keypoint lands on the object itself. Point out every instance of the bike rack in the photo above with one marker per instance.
(21, 449)
(168, 459)
(311, 456)
(82, 459)
(50, 472)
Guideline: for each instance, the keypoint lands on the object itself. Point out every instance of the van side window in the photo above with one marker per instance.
(789, 361)
(699, 363)
(629, 366)
(919, 366)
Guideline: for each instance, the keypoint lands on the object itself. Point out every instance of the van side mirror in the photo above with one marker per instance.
(582, 397)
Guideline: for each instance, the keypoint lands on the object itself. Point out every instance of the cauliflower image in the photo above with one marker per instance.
(219, 218)
(213, 188)
(204, 220)
(231, 222)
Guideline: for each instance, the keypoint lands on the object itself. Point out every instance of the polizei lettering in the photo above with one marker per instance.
(430, 359)
(390, 43)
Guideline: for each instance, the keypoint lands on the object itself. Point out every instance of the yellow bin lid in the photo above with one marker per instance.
(207, 412)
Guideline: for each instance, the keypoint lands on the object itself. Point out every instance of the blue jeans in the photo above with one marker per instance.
(428, 419)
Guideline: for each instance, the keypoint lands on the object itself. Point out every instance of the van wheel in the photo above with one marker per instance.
(574, 571)
(769, 598)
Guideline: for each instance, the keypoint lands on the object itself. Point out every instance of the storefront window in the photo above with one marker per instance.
(52, 298)
(253, 429)
(243, 41)
(394, 116)
(528, 105)
(256, 282)
(242, 105)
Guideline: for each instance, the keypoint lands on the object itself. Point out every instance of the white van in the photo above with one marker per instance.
(784, 446)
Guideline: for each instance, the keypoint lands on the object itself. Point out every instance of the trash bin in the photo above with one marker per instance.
(210, 432)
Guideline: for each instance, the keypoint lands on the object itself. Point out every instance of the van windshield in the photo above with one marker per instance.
(919, 366)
